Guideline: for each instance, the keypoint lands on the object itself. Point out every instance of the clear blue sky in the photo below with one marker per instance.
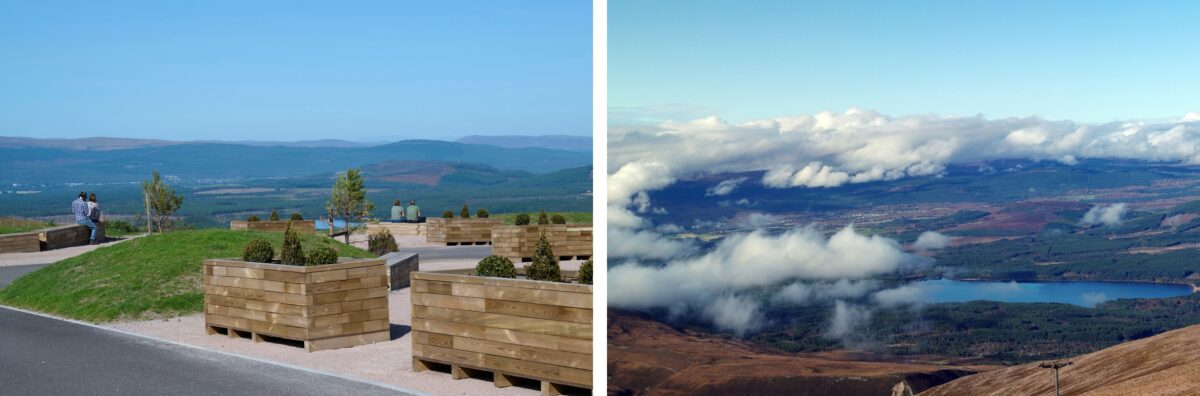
(1089, 61)
(295, 70)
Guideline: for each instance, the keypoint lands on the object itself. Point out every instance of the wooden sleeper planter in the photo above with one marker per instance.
(518, 243)
(510, 327)
(22, 242)
(304, 226)
(461, 231)
(326, 307)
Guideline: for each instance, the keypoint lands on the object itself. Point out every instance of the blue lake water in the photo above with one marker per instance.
(1085, 294)
(323, 225)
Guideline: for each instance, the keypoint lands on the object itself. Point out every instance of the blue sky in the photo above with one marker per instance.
(262, 70)
(1088, 61)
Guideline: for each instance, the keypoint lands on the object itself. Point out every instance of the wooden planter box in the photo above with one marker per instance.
(510, 327)
(398, 229)
(304, 226)
(67, 236)
(461, 231)
(327, 307)
(518, 243)
(22, 242)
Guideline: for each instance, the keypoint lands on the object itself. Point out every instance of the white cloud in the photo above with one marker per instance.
(847, 318)
(761, 220)
(738, 314)
(1108, 216)
(802, 292)
(725, 187)
(903, 295)
(628, 243)
(839, 267)
(931, 240)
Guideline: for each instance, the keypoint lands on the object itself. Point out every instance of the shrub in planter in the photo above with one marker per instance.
(496, 266)
(482, 213)
(291, 253)
(558, 219)
(465, 212)
(322, 255)
(545, 263)
(382, 243)
(252, 218)
(258, 251)
(447, 215)
(542, 219)
(585, 272)
(522, 219)
(274, 215)
(297, 217)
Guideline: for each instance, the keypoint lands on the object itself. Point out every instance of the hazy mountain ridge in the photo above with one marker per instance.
(563, 142)
(223, 161)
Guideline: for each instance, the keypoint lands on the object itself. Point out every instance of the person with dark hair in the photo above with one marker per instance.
(414, 212)
(93, 208)
(80, 208)
(398, 212)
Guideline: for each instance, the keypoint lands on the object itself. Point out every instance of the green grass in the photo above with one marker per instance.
(151, 277)
(572, 217)
(13, 225)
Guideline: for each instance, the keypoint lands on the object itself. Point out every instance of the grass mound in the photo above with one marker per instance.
(13, 225)
(151, 277)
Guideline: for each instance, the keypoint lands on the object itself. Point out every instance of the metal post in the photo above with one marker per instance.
(1055, 366)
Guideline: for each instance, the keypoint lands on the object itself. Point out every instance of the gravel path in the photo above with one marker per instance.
(52, 256)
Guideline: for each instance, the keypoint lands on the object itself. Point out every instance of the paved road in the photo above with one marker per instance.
(43, 356)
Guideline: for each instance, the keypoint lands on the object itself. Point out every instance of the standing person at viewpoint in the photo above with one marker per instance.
(80, 208)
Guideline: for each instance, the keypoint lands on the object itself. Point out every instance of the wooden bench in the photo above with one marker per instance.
(19, 243)
(67, 236)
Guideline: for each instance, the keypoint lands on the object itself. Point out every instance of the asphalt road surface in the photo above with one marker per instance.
(475, 252)
(44, 356)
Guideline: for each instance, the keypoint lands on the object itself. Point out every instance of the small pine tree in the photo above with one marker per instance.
(291, 253)
(447, 215)
(252, 218)
(465, 212)
(558, 219)
(522, 219)
(545, 264)
(482, 213)
(585, 272)
(542, 219)
(274, 215)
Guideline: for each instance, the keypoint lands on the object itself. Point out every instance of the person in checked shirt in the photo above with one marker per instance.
(80, 208)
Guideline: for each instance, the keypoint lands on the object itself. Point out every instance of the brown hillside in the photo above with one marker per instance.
(648, 357)
(1165, 364)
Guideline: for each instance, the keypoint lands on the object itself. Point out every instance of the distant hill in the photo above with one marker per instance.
(109, 143)
(562, 142)
(1165, 364)
(190, 162)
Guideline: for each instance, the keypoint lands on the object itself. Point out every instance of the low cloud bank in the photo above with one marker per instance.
(1109, 216)
(931, 240)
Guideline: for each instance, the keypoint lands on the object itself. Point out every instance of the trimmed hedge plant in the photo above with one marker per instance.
(382, 243)
(496, 266)
(258, 251)
(585, 272)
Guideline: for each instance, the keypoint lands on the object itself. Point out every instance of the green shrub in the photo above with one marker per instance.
(321, 255)
(252, 218)
(522, 219)
(447, 215)
(382, 243)
(558, 219)
(585, 272)
(291, 253)
(496, 266)
(542, 219)
(482, 213)
(297, 217)
(465, 212)
(258, 251)
(545, 264)
(274, 215)
(119, 226)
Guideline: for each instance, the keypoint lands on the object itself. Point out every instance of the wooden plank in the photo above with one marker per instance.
(531, 310)
(264, 295)
(548, 356)
(452, 302)
(559, 374)
(327, 276)
(441, 327)
(431, 287)
(347, 341)
(548, 297)
(537, 340)
(261, 316)
(257, 305)
(514, 283)
(448, 355)
(500, 321)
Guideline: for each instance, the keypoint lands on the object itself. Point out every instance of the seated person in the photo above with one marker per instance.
(79, 207)
(398, 212)
(414, 213)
